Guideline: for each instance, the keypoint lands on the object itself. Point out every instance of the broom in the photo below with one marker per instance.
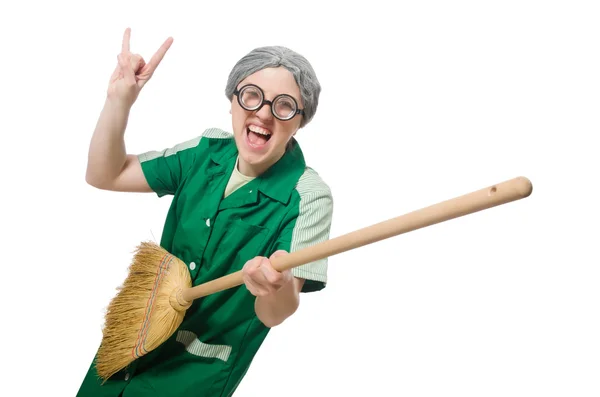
(152, 302)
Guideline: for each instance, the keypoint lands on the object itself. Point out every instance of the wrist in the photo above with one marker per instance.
(274, 308)
(117, 105)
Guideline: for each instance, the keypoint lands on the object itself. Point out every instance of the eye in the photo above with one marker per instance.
(251, 97)
(285, 106)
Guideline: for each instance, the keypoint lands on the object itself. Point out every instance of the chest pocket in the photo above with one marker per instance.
(232, 243)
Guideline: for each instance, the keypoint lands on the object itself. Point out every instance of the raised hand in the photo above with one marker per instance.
(132, 72)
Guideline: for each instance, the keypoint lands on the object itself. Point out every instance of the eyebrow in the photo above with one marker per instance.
(263, 90)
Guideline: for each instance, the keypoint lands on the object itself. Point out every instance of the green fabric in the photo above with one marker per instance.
(289, 207)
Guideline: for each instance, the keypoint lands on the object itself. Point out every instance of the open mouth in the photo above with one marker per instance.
(258, 136)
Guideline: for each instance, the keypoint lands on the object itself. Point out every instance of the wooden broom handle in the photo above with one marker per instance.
(488, 197)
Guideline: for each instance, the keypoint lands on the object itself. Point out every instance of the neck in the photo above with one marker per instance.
(253, 170)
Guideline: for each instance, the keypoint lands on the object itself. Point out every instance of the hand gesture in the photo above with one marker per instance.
(262, 279)
(132, 72)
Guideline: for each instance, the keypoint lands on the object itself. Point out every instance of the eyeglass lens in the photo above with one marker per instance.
(283, 107)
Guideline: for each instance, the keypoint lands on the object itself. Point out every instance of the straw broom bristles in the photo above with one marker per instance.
(145, 311)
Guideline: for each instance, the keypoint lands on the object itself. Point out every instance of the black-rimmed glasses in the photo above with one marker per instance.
(284, 107)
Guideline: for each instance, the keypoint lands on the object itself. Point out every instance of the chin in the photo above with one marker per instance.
(252, 159)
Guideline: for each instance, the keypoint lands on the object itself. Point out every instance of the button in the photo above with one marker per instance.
(208, 222)
(192, 266)
(127, 376)
(250, 191)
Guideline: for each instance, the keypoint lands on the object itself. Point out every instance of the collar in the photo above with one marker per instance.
(279, 180)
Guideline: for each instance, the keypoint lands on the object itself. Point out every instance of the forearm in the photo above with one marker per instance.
(274, 308)
(107, 153)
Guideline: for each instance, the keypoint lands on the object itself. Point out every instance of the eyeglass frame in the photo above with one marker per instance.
(237, 91)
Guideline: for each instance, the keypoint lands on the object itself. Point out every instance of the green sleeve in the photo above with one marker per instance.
(164, 170)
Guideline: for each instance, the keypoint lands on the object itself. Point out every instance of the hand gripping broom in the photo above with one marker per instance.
(152, 302)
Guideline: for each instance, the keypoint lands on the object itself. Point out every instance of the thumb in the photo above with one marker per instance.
(277, 254)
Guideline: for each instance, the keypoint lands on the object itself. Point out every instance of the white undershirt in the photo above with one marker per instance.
(236, 180)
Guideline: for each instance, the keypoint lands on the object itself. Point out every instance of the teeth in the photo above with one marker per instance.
(259, 130)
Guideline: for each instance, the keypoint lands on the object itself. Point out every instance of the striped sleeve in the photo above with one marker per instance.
(310, 225)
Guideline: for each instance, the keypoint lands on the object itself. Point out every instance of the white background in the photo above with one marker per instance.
(422, 101)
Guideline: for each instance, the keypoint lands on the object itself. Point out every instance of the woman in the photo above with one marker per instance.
(239, 199)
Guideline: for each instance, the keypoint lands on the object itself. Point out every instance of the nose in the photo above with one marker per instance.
(264, 113)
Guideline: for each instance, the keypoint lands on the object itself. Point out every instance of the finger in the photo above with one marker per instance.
(254, 288)
(259, 275)
(251, 268)
(137, 63)
(262, 275)
(272, 279)
(116, 73)
(158, 57)
(272, 276)
(252, 264)
(126, 68)
(126, 39)
(278, 254)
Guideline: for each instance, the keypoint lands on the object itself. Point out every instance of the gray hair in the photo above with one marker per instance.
(275, 56)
